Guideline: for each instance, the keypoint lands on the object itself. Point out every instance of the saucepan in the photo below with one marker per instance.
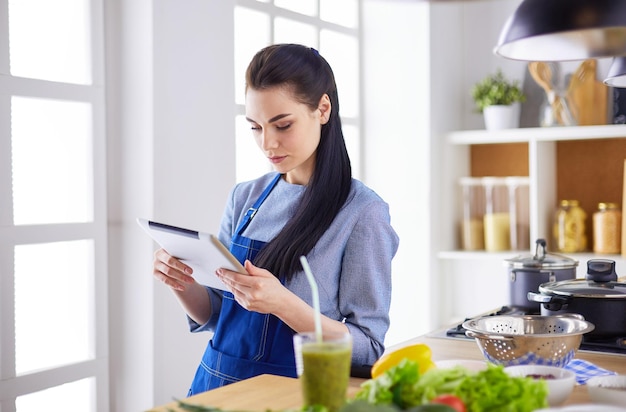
(527, 273)
(600, 298)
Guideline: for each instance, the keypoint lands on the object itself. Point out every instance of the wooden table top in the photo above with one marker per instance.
(260, 393)
(278, 393)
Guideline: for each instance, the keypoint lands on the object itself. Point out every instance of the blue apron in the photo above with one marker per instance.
(245, 343)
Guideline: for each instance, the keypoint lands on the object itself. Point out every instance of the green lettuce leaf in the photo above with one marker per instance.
(494, 390)
(489, 390)
(394, 387)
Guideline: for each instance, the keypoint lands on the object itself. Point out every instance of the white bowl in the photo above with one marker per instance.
(469, 364)
(584, 408)
(608, 390)
(560, 381)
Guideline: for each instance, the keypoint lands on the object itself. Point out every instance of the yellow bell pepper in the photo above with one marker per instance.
(418, 352)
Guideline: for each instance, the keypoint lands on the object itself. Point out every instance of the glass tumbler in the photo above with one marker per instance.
(323, 368)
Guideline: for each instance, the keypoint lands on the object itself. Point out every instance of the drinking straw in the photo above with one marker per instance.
(316, 297)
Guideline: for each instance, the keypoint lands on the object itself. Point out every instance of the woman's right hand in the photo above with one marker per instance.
(171, 271)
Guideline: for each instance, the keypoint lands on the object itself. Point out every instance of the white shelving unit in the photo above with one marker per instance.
(464, 294)
(542, 161)
(536, 134)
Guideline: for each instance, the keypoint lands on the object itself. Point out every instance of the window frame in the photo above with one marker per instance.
(12, 386)
(273, 12)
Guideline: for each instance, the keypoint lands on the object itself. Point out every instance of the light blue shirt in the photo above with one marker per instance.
(351, 261)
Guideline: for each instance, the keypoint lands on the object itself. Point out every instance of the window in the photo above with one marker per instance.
(330, 26)
(53, 348)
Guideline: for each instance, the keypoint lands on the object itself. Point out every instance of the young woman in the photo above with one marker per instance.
(311, 206)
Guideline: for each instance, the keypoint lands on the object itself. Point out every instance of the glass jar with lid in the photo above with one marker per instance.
(569, 227)
(497, 219)
(472, 233)
(520, 211)
(607, 225)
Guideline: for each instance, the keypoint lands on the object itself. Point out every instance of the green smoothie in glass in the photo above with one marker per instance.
(324, 368)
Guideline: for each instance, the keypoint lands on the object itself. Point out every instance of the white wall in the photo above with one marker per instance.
(194, 164)
(420, 61)
(129, 154)
(171, 151)
(396, 146)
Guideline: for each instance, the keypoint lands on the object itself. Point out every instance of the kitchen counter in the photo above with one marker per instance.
(468, 349)
(267, 392)
(261, 393)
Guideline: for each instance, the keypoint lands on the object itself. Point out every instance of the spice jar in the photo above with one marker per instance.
(607, 224)
(569, 227)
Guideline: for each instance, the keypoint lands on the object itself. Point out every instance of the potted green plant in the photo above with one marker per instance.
(499, 100)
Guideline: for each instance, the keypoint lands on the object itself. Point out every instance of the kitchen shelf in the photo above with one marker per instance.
(536, 134)
(584, 163)
(507, 254)
(479, 254)
(580, 162)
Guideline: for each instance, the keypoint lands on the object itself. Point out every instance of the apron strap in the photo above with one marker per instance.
(252, 211)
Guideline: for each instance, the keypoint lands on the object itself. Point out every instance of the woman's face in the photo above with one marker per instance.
(287, 131)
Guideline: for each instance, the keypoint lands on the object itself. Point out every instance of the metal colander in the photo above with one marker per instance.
(528, 339)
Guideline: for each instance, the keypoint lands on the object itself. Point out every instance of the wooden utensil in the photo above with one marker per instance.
(578, 80)
(543, 75)
(581, 91)
(588, 95)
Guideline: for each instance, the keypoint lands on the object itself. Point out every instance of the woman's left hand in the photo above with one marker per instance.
(258, 291)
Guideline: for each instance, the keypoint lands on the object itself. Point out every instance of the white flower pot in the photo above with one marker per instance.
(502, 117)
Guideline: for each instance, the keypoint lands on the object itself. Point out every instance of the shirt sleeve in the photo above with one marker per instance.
(365, 283)
(216, 304)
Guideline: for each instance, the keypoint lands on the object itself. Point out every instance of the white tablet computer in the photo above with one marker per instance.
(202, 251)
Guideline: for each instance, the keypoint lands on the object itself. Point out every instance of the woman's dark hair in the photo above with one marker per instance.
(308, 77)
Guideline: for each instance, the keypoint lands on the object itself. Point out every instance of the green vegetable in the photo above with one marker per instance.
(490, 390)
(431, 408)
(310, 408)
(196, 408)
(438, 381)
(402, 386)
(394, 387)
(363, 406)
(494, 390)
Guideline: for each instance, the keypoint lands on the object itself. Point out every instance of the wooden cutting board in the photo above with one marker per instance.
(588, 95)
(260, 393)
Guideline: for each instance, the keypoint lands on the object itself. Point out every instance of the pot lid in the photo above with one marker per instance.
(542, 260)
(586, 288)
(601, 282)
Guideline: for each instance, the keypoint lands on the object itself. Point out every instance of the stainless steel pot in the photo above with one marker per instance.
(527, 273)
(600, 298)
